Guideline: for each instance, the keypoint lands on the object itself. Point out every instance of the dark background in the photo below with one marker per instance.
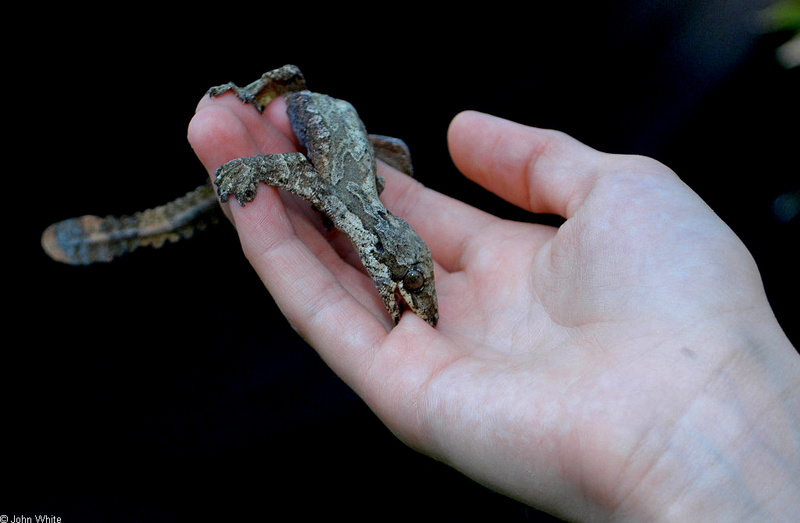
(167, 385)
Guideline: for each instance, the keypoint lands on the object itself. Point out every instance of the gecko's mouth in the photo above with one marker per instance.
(401, 301)
(420, 304)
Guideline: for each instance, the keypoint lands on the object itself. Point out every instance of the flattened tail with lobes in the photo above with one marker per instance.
(92, 239)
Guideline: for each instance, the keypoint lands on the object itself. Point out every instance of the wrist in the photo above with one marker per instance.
(735, 452)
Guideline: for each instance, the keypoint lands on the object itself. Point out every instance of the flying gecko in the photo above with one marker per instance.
(336, 174)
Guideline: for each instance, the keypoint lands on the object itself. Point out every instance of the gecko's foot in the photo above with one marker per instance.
(242, 93)
(272, 84)
(237, 178)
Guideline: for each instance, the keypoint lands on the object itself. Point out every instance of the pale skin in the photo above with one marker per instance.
(624, 366)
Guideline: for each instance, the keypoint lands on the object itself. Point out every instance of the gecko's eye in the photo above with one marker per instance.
(413, 280)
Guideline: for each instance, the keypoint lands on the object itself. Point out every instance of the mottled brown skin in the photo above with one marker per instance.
(337, 175)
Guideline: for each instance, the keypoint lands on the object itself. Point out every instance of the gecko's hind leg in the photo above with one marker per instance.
(272, 84)
(392, 151)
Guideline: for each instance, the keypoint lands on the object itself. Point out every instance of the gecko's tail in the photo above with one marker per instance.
(91, 239)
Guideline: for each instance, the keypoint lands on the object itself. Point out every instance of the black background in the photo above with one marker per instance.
(167, 385)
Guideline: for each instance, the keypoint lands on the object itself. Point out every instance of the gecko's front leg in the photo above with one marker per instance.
(291, 171)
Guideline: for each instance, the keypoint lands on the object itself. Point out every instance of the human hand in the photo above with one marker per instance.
(586, 369)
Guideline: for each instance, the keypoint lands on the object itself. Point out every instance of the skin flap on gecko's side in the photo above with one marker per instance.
(337, 175)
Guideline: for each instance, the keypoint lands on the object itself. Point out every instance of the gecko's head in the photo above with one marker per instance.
(411, 265)
(417, 289)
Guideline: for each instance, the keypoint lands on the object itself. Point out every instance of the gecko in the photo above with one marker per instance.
(336, 174)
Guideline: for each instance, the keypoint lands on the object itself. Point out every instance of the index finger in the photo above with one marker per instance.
(323, 297)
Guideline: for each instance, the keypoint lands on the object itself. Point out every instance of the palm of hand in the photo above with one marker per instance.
(550, 340)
